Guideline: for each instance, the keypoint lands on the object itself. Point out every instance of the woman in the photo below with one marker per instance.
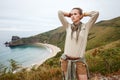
(73, 62)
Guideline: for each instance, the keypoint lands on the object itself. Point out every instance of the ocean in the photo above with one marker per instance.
(27, 55)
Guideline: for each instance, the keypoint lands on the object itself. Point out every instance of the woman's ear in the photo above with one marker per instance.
(81, 16)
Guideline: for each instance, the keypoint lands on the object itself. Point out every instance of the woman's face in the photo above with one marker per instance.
(75, 16)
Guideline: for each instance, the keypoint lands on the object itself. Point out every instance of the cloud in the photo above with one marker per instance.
(41, 15)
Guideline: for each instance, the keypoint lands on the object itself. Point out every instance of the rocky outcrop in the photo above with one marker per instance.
(14, 38)
(15, 41)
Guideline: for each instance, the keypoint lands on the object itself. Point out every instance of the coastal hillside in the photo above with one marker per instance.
(102, 33)
(102, 53)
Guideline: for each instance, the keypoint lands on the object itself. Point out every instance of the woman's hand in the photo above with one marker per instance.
(85, 14)
(67, 14)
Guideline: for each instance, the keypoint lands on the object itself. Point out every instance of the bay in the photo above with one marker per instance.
(27, 55)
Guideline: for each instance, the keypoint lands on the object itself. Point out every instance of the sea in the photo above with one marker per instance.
(27, 55)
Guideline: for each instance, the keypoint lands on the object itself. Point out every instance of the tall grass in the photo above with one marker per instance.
(105, 61)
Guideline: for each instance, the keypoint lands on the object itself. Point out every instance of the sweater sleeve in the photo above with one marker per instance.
(62, 19)
(93, 17)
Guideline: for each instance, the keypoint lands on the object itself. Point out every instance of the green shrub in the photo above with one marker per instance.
(106, 61)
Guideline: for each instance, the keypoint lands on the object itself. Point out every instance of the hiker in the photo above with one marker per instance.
(73, 62)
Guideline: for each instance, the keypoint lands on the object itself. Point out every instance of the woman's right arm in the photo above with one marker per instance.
(62, 16)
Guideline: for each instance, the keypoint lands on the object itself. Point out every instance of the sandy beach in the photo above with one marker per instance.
(51, 48)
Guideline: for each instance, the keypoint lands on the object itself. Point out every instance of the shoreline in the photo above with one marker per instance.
(51, 48)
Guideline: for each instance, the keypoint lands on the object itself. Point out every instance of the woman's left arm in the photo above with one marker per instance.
(93, 17)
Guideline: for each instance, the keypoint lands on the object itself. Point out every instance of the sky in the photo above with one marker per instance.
(41, 15)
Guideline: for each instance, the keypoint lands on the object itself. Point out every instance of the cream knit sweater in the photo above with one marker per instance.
(73, 48)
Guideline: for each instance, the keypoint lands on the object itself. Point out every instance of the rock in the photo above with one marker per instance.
(15, 41)
(14, 38)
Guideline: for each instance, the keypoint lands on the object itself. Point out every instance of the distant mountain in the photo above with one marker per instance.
(102, 33)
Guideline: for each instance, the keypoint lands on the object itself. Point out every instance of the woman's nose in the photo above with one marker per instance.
(72, 16)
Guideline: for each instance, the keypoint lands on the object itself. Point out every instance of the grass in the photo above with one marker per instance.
(105, 61)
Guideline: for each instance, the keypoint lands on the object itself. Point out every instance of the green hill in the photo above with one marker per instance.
(102, 35)
(103, 32)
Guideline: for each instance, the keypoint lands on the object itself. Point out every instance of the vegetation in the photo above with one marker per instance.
(105, 61)
(102, 53)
